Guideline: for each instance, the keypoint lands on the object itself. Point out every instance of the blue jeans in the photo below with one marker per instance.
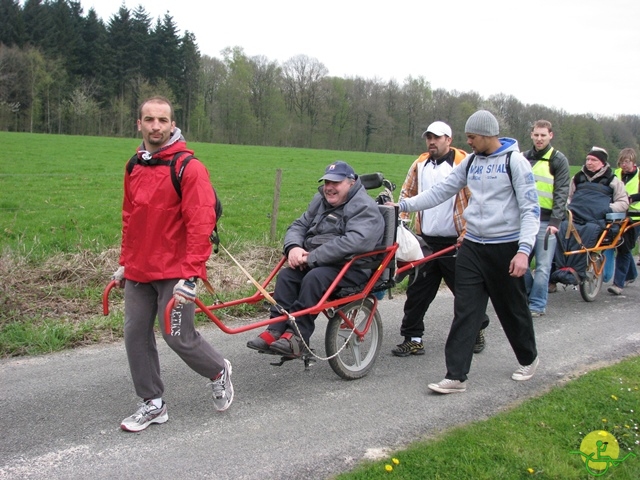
(625, 269)
(538, 284)
(625, 266)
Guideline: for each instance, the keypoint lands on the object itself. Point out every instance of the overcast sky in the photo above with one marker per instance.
(580, 56)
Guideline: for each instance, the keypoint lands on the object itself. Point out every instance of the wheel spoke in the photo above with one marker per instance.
(355, 349)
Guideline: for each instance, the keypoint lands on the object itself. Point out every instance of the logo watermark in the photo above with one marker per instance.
(599, 451)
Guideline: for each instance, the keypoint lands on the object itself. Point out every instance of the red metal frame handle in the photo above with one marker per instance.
(403, 267)
(105, 297)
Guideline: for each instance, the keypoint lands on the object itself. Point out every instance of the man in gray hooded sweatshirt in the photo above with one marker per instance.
(503, 217)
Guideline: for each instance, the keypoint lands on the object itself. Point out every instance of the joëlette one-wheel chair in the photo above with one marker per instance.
(589, 278)
(353, 335)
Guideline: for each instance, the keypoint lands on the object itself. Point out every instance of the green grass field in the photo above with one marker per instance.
(64, 193)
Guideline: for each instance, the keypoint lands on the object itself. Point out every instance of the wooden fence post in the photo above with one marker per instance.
(276, 205)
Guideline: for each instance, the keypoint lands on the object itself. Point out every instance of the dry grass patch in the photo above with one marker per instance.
(68, 287)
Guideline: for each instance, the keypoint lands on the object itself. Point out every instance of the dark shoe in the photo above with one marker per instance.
(407, 348)
(263, 341)
(289, 345)
(480, 342)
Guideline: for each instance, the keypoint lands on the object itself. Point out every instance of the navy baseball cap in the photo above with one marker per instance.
(338, 171)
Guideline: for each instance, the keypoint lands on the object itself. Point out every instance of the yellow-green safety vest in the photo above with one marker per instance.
(544, 180)
(632, 187)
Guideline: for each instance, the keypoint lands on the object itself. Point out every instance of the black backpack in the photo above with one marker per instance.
(176, 178)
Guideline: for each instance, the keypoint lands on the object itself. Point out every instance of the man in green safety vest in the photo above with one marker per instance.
(551, 172)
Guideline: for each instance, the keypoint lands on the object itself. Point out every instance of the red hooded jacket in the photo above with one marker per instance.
(163, 236)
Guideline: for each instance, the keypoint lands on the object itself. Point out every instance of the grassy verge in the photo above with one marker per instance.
(541, 438)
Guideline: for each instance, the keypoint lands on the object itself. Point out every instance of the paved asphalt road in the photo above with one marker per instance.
(60, 413)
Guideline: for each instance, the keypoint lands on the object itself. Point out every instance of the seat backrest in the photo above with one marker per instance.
(385, 282)
(390, 216)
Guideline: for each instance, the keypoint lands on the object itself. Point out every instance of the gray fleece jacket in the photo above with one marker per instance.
(502, 208)
(331, 234)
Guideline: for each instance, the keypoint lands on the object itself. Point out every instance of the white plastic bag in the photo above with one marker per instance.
(408, 246)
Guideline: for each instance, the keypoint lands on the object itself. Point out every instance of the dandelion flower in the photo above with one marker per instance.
(530, 470)
(395, 461)
(388, 468)
(614, 397)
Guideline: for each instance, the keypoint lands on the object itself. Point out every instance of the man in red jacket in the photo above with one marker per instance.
(165, 246)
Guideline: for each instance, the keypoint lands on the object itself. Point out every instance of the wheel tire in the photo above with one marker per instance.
(590, 286)
(358, 357)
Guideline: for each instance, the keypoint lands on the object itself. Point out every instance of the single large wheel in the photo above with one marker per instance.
(357, 357)
(592, 283)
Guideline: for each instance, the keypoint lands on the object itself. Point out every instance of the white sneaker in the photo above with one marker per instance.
(525, 372)
(448, 386)
(146, 414)
(223, 388)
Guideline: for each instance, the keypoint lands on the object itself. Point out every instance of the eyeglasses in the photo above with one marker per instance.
(626, 160)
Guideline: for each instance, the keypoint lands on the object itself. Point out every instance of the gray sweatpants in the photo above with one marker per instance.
(143, 303)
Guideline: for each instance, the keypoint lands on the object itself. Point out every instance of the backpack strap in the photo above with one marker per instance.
(134, 160)
(473, 157)
(176, 177)
(132, 163)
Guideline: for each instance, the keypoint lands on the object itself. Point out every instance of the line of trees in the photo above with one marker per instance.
(62, 71)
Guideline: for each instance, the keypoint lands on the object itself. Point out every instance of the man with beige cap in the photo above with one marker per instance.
(503, 217)
(440, 228)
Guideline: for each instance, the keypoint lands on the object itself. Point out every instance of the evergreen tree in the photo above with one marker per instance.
(139, 44)
(11, 23)
(187, 86)
(165, 54)
(36, 21)
(92, 53)
(64, 33)
(120, 67)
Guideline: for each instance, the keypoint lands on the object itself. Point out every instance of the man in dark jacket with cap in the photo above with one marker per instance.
(342, 220)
